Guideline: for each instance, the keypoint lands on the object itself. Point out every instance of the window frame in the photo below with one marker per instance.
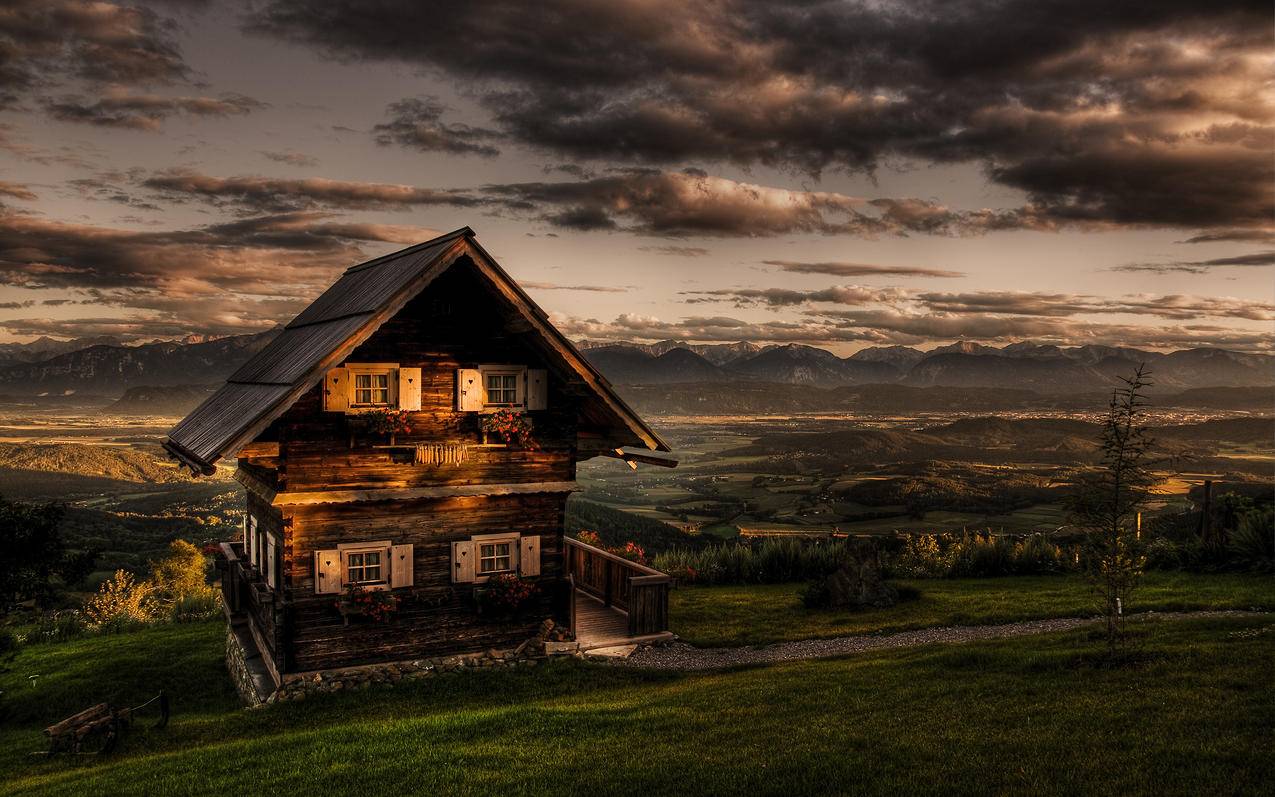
(519, 374)
(382, 548)
(388, 370)
(513, 539)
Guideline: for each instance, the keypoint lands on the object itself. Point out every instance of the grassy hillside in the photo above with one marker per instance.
(119, 463)
(1027, 716)
(766, 613)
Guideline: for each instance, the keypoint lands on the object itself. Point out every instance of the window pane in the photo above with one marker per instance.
(502, 388)
(372, 389)
(494, 557)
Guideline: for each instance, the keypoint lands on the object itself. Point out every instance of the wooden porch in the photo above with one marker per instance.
(614, 602)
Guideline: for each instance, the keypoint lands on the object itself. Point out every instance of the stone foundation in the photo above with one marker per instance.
(255, 691)
(240, 673)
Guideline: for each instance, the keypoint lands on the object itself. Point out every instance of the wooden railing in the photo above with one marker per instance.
(638, 590)
(242, 588)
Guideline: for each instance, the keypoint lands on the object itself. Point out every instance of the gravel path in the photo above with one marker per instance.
(681, 656)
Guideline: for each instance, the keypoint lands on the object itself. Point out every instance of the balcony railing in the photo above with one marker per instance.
(638, 590)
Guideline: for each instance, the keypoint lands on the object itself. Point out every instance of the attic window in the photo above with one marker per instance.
(502, 388)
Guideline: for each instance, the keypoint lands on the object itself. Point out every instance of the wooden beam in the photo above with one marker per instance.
(255, 486)
(634, 459)
(412, 493)
(259, 450)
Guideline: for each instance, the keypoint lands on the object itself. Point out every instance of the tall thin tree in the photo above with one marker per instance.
(1108, 500)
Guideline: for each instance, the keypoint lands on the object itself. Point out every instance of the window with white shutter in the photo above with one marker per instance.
(491, 387)
(485, 555)
(370, 565)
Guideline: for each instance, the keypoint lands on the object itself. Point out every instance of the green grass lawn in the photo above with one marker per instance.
(1034, 715)
(761, 614)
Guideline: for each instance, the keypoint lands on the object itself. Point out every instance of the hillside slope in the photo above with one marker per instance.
(986, 717)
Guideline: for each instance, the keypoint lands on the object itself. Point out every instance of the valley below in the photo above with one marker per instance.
(865, 471)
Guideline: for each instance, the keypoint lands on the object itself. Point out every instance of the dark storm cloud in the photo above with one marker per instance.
(675, 251)
(1202, 266)
(268, 194)
(227, 277)
(291, 158)
(418, 123)
(1243, 236)
(17, 191)
(692, 203)
(786, 297)
(1063, 305)
(995, 303)
(1140, 113)
(840, 269)
(897, 327)
(145, 111)
(553, 286)
(47, 41)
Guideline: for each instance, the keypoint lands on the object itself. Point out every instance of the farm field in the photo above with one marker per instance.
(918, 721)
(761, 614)
(823, 475)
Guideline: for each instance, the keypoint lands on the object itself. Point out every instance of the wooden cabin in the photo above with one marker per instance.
(439, 336)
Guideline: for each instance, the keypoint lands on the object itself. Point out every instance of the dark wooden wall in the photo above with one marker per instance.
(435, 617)
(265, 607)
(457, 322)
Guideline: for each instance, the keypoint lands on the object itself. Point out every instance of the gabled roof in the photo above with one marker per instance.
(348, 313)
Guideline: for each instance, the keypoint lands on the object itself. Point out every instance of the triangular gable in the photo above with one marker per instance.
(325, 333)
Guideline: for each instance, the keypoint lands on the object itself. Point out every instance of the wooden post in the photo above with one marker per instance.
(606, 591)
(1206, 511)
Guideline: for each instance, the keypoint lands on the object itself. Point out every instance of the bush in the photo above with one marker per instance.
(858, 583)
(1163, 554)
(980, 555)
(1253, 541)
(179, 582)
(57, 627)
(772, 560)
(194, 607)
(122, 602)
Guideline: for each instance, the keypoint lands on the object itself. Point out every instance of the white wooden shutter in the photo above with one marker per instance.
(537, 389)
(462, 562)
(270, 562)
(327, 572)
(529, 556)
(409, 389)
(402, 566)
(254, 543)
(336, 390)
(469, 390)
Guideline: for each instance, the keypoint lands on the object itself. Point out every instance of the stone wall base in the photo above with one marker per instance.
(256, 690)
(247, 679)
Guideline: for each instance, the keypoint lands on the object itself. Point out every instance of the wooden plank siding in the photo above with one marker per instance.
(458, 322)
(436, 617)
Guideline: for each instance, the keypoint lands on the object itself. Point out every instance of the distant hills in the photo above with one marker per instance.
(747, 377)
(111, 369)
(1043, 369)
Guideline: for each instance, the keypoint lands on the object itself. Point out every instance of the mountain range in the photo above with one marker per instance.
(100, 366)
(111, 369)
(1044, 369)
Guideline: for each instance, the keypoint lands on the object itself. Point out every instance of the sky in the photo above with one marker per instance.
(840, 174)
